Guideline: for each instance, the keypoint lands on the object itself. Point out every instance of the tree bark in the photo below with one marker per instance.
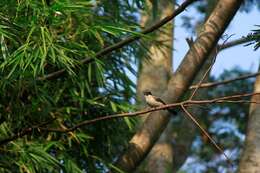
(173, 146)
(160, 58)
(250, 160)
(147, 135)
(156, 65)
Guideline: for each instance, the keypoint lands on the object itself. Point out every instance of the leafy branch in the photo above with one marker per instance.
(125, 41)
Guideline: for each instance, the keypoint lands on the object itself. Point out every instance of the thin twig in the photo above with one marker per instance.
(198, 102)
(225, 99)
(205, 74)
(209, 68)
(133, 114)
(206, 133)
(221, 99)
(25, 131)
(213, 84)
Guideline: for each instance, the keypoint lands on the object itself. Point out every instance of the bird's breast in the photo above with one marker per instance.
(150, 100)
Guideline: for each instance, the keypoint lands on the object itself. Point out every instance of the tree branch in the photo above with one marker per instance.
(164, 107)
(213, 84)
(214, 55)
(205, 133)
(24, 132)
(126, 41)
(225, 99)
(236, 42)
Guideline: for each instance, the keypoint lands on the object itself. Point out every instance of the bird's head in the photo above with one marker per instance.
(147, 93)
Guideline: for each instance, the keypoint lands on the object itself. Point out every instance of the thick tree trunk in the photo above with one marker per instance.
(157, 63)
(160, 58)
(173, 146)
(250, 160)
(144, 139)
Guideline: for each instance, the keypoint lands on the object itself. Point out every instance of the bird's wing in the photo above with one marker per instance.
(160, 100)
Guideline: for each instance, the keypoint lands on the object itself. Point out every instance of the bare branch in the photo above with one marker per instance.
(215, 52)
(213, 84)
(213, 56)
(206, 133)
(226, 99)
(164, 107)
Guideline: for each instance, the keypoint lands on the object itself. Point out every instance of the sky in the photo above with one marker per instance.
(241, 56)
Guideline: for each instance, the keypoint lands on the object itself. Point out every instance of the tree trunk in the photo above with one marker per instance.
(250, 160)
(144, 139)
(173, 146)
(157, 67)
(157, 63)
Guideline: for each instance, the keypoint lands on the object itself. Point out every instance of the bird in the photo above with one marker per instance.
(154, 101)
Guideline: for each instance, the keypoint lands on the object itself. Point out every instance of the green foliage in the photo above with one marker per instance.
(255, 36)
(41, 37)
